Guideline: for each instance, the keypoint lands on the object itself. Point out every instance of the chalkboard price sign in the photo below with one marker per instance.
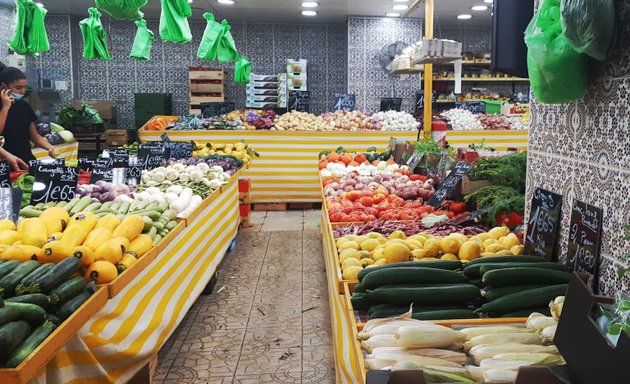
(216, 109)
(152, 156)
(5, 174)
(165, 138)
(50, 162)
(120, 158)
(100, 173)
(345, 101)
(181, 150)
(88, 164)
(391, 104)
(300, 101)
(10, 200)
(133, 174)
(543, 224)
(585, 233)
(452, 180)
(54, 184)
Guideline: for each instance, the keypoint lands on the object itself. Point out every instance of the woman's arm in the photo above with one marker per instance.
(7, 102)
(15, 162)
(40, 141)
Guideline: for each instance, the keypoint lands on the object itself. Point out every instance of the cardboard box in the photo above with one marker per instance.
(262, 98)
(265, 78)
(267, 85)
(296, 66)
(263, 105)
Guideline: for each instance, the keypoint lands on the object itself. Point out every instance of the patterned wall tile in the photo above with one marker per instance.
(560, 140)
(6, 30)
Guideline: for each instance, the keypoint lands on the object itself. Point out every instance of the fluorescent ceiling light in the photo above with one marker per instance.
(464, 17)
(479, 7)
(392, 14)
(401, 1)
(309, 13)
(400, 7)
(487, 1)
(226, 2)
(310, 4)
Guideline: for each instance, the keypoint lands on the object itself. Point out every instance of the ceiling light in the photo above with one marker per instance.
(464, 17)
(479, 7)
(40, 5)
(309, 13)
(400, 7)
(310, 4)
(226, 2)
(392, 14)
(487, 1)
(401, 1)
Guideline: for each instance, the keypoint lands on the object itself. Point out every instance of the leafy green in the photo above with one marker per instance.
(507, 171)
(428, 147)
(502, 199)
(69, 116)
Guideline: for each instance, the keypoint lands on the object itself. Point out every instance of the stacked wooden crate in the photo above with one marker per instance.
(205, 85)
(244, 200)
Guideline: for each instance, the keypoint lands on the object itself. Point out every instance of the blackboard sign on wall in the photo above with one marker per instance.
(152, 155)
(452, 180)
(543, 224)
(181, 150)
(51, 162)
(299, 101)
(585, 234)
(54, 184)
(345, 101)
(5, 174)
(100, 173)
(133, 174)
(391, 104)
(87, 164)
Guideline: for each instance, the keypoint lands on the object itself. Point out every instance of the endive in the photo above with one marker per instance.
(427, 336)
(539, 359)
(478, 373)
(549, 333)
(556, 307)
(502, 338)
(420, 360)
(538, 321)
(379, 341)
(387, 326)
(478, 331)
(499, 376)
(485, 351)
(444, 354)
(437, 374)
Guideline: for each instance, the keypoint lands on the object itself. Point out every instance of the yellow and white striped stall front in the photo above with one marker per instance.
(287, 168)
(69, 151)
(132, 327)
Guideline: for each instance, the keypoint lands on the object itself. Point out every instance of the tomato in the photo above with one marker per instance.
(404, 171)
(360, 158)
(417, 178)
(458, 207)
(352, 195)
(367, 201)
(378, 197)
(367, 193)
(450, 214)
(348, 209)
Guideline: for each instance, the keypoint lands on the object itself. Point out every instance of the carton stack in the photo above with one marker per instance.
(267, 91)
(296, 75)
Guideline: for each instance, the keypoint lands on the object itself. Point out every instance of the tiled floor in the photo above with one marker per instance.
(284, 220)
(268, 319)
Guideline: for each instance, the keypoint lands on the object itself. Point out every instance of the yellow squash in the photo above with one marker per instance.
(86, 254)
(22, 253)
(101, 272)
(126, 262)
(140, 245)
(56, 219)
(76, 234)
(130, 227)
(87, 219)
(34, 232)
(57, 250)
(112, 250)
(8, 237)
(97, 237)
(108, 221)
(7, 225)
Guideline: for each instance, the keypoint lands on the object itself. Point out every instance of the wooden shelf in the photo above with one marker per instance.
(201, 82)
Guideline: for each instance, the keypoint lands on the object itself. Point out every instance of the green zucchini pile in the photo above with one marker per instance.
(501, 286)
(34, 299)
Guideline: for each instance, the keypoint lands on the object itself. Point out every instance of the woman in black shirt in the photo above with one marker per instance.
(17, 121)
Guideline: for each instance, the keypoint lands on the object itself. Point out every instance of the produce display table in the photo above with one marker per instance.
(132, 327)
(69, 151)
(287, 171)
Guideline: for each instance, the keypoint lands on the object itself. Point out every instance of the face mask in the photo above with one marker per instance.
(16, 96)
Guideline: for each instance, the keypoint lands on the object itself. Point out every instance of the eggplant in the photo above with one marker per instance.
(43, 129)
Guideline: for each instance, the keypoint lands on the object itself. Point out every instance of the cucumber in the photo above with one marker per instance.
(507, 259)
(142, 205)
(32, 313)
(10, 281)
(153, 214)
(148, 223)
(169, 215)
(107, 204)
(133, 206)
(446, 314)
(525, 275)
(492, 266)
(120, 216)
(124, 207)
(537, 297)
(49, 204)
(53, 319)
(159, 226)
(152, 233)
(379, 311)
(474, 270)
(8, 314)
(358, 288)
(162, 207)
(31, 277)
(62, 271)
(39, 206)
(524, 312)
(80, 205)
(163, 233)
(29, 212)
(157, 239)
(11, 335)
(492, 293)
(32, 298)
(67, 290)
(152, 207)
(439, 264)
(477, 282)
(115, 205)
(425, 295)
(71, 306)
(7, 267)
(28, 346)
(411, 275)
(360, 301)
(92, 207)
(68, 207)
(171, 224)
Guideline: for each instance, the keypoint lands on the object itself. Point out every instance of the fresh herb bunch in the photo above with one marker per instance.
(502, 199)
(428, 147)
(68, 116)
(509, 171)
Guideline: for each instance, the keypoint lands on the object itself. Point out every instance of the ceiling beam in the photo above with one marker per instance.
(412, 7)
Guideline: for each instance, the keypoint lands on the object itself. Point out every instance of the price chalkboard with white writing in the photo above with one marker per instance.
(391, 104)
(101, 173)
(448, 185)
(54, 184)
(5, 174)
(152, 156)
(541, 238)
(181, 150)
(216, 109)
(120, 157)
(299, 101)
(10, 201)
(51, 162)
(133, 174)
(345, 101)
(585, 234)
(87, 164)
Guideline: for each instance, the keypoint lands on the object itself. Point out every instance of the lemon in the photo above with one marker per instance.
(349, 254)
(429, 259)
(340, 241)
(470, 250)
(360, 239)
(397, 235)
(509, 241)
(449, 244)
(449, 256)
(432, 246)
(459, 236)
(370, 244)
(374, 235)
(487, 254)
(413, 244)
(419, 253)
(377, 254)
(380, 262)
(517, 250)
(366, 262)
(498, 232)
(399, 241)
(365, 254)
(395, 252)
(348, 245)
(351, 273)
(488, 242)
(349, 263)
(494, 248)
(484, 236)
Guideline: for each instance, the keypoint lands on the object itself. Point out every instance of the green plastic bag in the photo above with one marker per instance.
(589, 25)
(557, 73)
(211, 37)
(122, 9)
(94, 36)
(174, 21)
(142, 44)
(227, 48)
(30, 36)
(242, 69)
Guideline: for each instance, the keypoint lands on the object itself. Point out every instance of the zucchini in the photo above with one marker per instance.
(492, 266)
(115, 205)
(124, 207)
(157, 239)
(425, 295)
(358, 288)
(61, 204)
(8, 314)
(133, 206)
(524, 312)
(531, 298)
(92, 207)
(10, 281)
(159, 226)
(32, 313)
(28, 346)
(360, 301)
(445, 314)
(53, 319)
(474, 270)
(477, 282)
(107, 204)
(492, 293)
(80, 205)
(141, 205)
(32, 298)
(68, 207)
(439, 264)
(152, 232)
(169, 215)
(148, 223)
(30, 212)
(11, 335)
(20, 289)
(62, 271)
(525, 275)
(507, 259)
(411, 275)
(7, 267)
(162, 207)
(151, 213)
(67, 290)
(170, 225)
(71, 306)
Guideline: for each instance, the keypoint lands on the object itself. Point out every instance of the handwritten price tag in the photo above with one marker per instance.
(584, 238)
(455, 177)
(345, 102)
(542, 227)
(5, 174)
(54, 184)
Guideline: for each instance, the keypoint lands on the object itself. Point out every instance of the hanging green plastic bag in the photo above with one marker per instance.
(174, 21)
(557, 73)
(227, 47)
(211, 37)
(589, 25)
(30, 36)
(122, 9)
(142, 44)
(94, 36)
(242, 69)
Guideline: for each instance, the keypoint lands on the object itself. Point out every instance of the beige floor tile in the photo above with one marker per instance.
(281, 336)
(312, 214)
(252, 228)
(259, 361)
(318, 335)
(257, 217)
(272, 215)
(279, 226)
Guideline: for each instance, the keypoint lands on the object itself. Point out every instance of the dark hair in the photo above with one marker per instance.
(8, 75)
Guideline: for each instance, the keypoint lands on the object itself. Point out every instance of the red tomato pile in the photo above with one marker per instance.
(367, 205)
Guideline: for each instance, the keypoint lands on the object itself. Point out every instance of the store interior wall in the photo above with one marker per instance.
(582, 151)
(6, 28)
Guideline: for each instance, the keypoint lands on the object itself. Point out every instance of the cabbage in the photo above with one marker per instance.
(67, 136)
(43, 129)
(56, 128)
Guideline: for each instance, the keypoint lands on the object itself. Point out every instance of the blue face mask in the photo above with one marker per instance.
(16, 96)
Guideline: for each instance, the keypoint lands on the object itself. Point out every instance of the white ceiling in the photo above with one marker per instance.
(289, 11)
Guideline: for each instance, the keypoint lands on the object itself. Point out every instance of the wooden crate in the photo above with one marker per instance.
(199, 92)
(468, 186)
(35, 364)
(197, 100)
(205, 88)
(211, 74)
(116, 137)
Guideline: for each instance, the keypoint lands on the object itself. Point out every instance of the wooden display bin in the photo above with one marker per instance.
(116, 138)
(36, 362)
(468, 186)
(167, 118)
(121, 281)
(166, 240)
(204, 204)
